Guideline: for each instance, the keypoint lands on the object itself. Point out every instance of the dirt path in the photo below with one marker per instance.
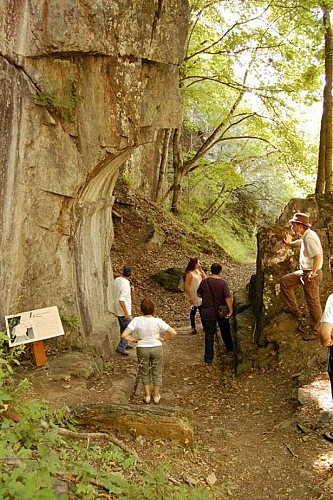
(249, 431)
(245, 426)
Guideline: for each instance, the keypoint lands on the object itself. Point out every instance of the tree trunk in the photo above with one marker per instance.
(153, 422)
(324, 174)
(178, 172)
(320, 184)
(205, 216)
(163, 165)
(328, 100)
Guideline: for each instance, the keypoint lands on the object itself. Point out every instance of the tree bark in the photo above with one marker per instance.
(324, 173)
(178, 172)
(153, 422)
(320, 184)
(163, 165)
(328, 100)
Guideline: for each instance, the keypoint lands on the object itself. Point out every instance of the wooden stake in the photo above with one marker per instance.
(39, 353)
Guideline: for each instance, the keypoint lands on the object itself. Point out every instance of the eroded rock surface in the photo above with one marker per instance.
(86, 89)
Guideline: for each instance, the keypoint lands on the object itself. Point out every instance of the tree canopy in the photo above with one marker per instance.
(253, 72)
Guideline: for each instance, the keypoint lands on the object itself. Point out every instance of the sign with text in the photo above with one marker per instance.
(30, 326)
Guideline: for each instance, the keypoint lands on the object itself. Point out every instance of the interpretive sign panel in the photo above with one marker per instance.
(30, 326)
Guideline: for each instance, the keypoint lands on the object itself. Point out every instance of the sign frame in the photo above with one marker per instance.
(33, 326)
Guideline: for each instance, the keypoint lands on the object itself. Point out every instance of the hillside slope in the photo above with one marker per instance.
(252, 440)
(134, 214)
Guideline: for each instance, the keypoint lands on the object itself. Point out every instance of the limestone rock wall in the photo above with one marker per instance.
(275, 259)
(85, 84)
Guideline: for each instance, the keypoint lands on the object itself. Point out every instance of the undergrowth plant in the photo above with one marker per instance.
(71, 321)
(60, 98)
(38, 463)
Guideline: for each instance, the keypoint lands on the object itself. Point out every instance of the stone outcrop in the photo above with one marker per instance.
(264, 335)
(171, 279)
(86, 89)
(276, 259)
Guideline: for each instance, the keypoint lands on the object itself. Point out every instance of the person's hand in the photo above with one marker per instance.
(312, 274)
(288, 239)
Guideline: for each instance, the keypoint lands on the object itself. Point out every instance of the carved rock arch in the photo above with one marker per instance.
(92, 239)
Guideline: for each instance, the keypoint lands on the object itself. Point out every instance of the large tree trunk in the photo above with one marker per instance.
(163, 165)
(320, 184)
(178, 172)
(324, 175)
(328, 101)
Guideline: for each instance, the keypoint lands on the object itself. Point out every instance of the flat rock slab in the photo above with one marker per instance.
(152, 422)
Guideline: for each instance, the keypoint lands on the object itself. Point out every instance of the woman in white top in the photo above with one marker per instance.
(149, 334)
(193, 277)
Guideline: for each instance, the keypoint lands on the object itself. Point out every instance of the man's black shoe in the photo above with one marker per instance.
(328, 436)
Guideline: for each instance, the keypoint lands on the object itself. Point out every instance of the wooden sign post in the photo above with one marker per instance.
(39, 353)
(34, 327)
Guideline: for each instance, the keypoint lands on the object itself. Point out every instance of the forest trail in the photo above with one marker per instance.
(246, 426)
(250, 436)
(249, 430)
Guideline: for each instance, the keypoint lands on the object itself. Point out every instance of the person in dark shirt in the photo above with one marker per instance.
(215, 292)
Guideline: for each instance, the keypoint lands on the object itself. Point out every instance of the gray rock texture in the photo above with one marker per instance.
(86, 88)
(275, 259)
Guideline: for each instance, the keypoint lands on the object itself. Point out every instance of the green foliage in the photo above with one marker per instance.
(9, 357)
(251, 73)
(33, 457)
(128, 181)
(71, 321)
(61, 98)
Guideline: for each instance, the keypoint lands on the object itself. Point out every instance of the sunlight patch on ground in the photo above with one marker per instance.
(319, 392)
(324, 462)
(322, 393)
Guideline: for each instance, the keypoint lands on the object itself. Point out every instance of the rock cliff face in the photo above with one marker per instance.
(86, 86)
(275, 259)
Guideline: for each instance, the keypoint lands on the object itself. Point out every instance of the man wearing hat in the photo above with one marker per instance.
(309, 274)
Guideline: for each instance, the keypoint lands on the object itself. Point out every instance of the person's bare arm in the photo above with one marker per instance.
(127, 335)
(317, 264)
(202, 272)
(325, 333)
(230, 304)
(188, 280)
(124, 308)
(288, 240)
(168, 334)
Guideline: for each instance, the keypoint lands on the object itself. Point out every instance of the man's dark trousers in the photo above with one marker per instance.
(210, 328)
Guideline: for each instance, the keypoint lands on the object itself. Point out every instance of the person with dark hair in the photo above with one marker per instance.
(193, 277)
(149, 332)
(308, 275)
(123, 293)
(215, 293)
